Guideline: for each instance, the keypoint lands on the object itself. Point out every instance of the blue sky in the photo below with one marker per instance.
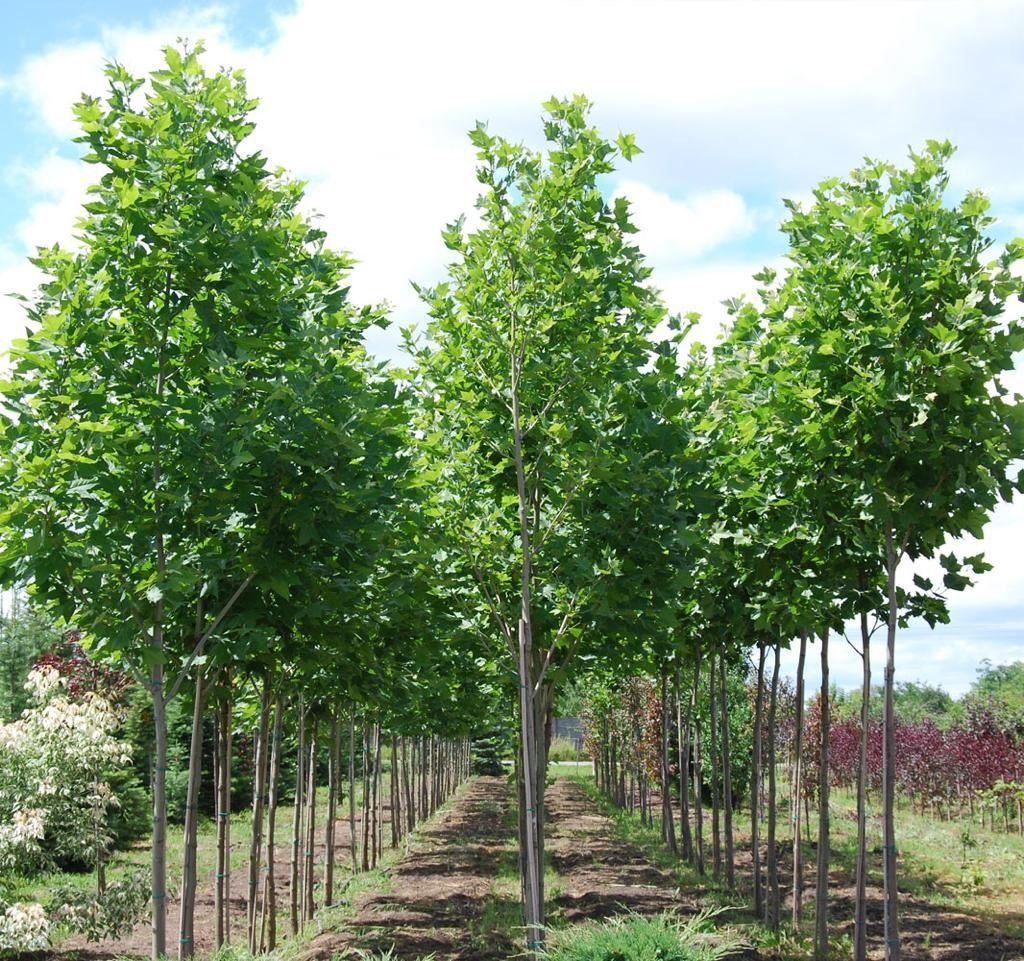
(736, 105)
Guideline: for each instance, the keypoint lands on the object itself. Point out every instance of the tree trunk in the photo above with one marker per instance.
(891, 913)
(159, 851)
(333, 759)
(186, 920)
(755, 783)
(716, 832)
(377, 827)
(410, 811)
(668, 825)
(683, 754)
(530, 865)
(308, 904)
(394, 791)
(795, 796)
(307, 895)
(860, 920)
(364, 806)
(300, 762)
(698, 762)
(774, 895)
(353, 837)
(821, 891)
(223, 775)
(270, 904)
(730, 860)
(258, 793)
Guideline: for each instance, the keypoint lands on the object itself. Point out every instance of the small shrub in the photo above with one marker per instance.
(23, 927)
(631, 937)
(111, 915)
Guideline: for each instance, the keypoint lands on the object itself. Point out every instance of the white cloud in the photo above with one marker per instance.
(672, 230)
(370, 103)
(61, 185)
(17, 276)
(703, 288)
(53, 81)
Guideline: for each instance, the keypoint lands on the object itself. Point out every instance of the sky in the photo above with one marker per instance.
(735, 105)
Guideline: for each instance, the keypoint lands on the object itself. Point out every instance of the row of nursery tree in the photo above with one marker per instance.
(205, 474)
(688, 749)
(68, 780)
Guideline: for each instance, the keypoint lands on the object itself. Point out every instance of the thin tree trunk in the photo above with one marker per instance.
(333, 759)
(221, 804)
(410, 811)
(774, 895)
(377, 826)
(258, 793)
(393, 786)
(860, 920)
(889, 853)
(716, 832)
(795, 796)
(667, 822)
(308, 904)
(698, 764)
(683, 754)
(186, 920)
(300, 764)
(353, 837)
(364, 807)
(228, 736)
(730, 860)
(755, 783)
(530, 865)
(270, 904)
(159, 850)
(821, 891)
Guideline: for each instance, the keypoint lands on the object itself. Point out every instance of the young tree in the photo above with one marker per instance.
(898, 322)
(150, 406)
(537, 342)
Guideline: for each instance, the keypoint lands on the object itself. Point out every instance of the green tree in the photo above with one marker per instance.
(152, 405)
(894, 318)
(25, 633)
(528, 376)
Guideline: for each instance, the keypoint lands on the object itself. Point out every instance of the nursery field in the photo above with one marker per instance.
(452, 890)
(476, 653)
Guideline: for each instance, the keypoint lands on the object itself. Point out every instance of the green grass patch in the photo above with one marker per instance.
(632, 937)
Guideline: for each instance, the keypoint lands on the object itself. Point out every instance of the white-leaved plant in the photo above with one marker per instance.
(23, 927)
(54, 797)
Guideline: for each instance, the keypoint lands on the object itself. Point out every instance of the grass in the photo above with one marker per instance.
(634, 938)
(961, 866)
(563, 749)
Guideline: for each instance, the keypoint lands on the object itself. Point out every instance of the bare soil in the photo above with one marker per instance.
(602, 874)
(137, 944)
(440, 900)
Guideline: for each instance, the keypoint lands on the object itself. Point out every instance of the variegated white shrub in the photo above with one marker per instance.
(53, 795)
(23, 927)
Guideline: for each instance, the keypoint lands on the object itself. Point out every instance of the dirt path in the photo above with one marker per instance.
(601, 874)
(445, 898)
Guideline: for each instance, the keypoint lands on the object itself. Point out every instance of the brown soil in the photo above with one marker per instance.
(441, 900)
(601, 874)
(454, 896)
(928, 931)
